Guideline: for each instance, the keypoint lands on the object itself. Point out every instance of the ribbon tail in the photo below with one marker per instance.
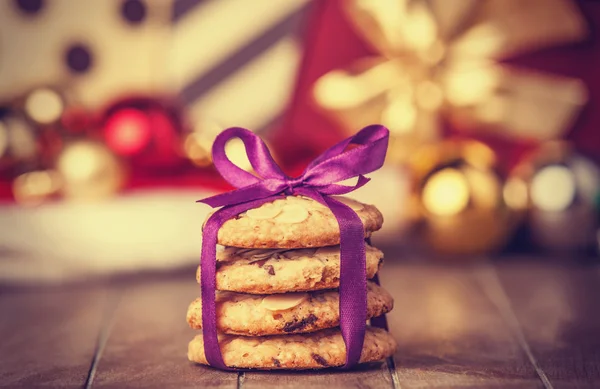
(353, 275)
(353, 280)
(208, 270)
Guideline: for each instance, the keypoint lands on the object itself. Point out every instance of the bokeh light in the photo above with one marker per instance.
(446, 192)
(44, 105)
(128, 131)
(553, 188)
(515, 193)
(33, 188)
(89, 171)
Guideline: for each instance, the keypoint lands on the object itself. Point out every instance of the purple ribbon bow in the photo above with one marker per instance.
(318, 182)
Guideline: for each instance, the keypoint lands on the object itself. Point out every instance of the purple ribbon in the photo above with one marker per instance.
(318, 181)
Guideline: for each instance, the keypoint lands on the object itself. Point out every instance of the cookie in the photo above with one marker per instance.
(288, 313)
(263, 271)
(316, 350)
(293, 222)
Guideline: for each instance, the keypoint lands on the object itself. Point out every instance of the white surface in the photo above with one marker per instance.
(141, 231)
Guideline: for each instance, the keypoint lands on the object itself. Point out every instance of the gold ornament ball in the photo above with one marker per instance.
(558, 191)
(35, 187)
(90, 171)
(459, 197)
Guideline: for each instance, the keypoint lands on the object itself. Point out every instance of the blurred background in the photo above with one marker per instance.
(108, 110)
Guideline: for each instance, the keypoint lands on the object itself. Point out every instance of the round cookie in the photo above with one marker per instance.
(255, 315)
(263, 271)
(293, 222)
(316, 350)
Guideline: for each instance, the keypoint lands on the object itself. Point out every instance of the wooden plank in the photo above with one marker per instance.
(375, 375)
(147, 345)
(557, 308)
(450, 334)
(49, 336)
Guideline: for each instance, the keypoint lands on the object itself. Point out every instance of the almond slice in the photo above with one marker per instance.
(355, 205)
(282, 302)
(292, 214)
(262, 213)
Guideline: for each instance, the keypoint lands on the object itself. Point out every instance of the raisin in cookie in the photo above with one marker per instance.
(316, 350)
(293, 222)
(264, 271)
(286, 313)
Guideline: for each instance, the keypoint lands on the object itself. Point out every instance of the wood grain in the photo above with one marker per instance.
(49, 336)
(375, 375)
(450, 335)
(147, 345)
(558, 309)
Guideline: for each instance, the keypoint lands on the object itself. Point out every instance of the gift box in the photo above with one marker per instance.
(541, 70)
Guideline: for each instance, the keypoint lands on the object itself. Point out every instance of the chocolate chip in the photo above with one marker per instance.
(320, 360)
(297, 325)
(380, 262)
(276, 362)
(270, 269)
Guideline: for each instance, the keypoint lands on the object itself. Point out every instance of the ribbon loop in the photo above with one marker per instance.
(319, 181)
(258, 154)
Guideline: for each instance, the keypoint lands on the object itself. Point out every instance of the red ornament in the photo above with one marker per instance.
(146, 131)
(128, 131)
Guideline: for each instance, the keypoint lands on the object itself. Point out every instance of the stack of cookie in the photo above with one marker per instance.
(277, 304)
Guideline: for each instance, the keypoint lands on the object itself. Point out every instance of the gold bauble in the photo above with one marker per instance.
(89, 171)
(559, 188)
(458, 193)
(33, 188)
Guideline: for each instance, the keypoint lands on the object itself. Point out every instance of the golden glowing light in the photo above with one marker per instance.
(400, 116)
(471, 85)
(89, 171)
(44, 106)
(446, 193)
(429, 95)
(448, 53)
(485, 188)
(34, 187)
(420, 28)
(515, 193)
(198, 149)
(553, 188)
(433, 54)
(334, 89)
(478, 154)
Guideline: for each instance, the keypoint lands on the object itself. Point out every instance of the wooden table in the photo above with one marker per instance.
(504, 323)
